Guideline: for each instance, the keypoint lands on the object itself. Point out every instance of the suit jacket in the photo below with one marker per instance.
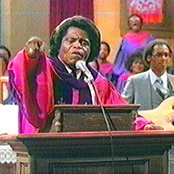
(138, 90)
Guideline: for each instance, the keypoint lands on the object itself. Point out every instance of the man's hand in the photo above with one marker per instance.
(35, 47)
(152, 127)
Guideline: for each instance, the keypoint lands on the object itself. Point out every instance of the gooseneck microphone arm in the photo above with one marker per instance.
(82, 66)
(107, 125)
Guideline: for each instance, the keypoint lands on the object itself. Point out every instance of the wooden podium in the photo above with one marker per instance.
(84, 146)
(141, 152)
(82, 118)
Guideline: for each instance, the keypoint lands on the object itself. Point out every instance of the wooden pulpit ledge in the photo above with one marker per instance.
(145, 152)
(82, 144)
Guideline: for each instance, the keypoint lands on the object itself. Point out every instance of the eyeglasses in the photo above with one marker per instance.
(161, 55)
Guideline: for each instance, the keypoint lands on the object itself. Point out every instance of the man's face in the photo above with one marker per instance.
(160, 57)
(104, 52)
(75, 46)
(135, 23)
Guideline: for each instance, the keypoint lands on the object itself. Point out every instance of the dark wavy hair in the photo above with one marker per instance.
(150, 48)
(135, 56)
(82, 23)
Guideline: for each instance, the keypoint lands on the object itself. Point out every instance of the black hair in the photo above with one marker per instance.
(6, 49)
(108, 46)
(6, 59)
(148, 51)
(80, 22)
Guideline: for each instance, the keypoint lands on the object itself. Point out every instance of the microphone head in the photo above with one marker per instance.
(80, 63)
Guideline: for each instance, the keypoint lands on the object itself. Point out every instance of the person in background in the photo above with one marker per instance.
(152, 87)
(101, 64)
(136, 39)
(5, 56)
(170, 68)
(134, 65)
(38, 82)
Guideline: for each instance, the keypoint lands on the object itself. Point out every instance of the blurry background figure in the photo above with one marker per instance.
(134, 65)
(5, 55)
(101, 64)
(170, 68)
(132, 42)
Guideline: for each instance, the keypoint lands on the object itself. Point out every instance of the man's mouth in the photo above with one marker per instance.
(78, 54)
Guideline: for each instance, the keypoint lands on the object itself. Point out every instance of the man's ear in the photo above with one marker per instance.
(148, 58)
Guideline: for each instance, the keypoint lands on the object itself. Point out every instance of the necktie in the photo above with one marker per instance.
(158, 86)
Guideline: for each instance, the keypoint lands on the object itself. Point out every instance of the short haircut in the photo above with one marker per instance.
(82, 23)
(108, 46)
(150, 48)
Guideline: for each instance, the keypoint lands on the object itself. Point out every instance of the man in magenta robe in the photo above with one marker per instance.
(38, 82)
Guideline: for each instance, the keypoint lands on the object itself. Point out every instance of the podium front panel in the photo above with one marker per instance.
(81, 118)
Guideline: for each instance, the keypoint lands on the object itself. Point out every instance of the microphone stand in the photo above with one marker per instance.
(109, 130)
(107, 125)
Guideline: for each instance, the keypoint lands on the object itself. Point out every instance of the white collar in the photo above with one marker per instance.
(154, 77)
(67, 68)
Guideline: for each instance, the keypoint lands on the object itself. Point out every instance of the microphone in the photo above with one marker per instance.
(82, 66)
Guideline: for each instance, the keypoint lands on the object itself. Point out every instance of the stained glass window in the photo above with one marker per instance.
(152, 11)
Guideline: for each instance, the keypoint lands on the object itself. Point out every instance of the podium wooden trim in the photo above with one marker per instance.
(145, 152)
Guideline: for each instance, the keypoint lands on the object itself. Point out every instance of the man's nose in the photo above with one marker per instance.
(102, 52)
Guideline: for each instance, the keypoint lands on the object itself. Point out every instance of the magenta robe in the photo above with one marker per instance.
(31, 81)
(106, 69)
(131, 43)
